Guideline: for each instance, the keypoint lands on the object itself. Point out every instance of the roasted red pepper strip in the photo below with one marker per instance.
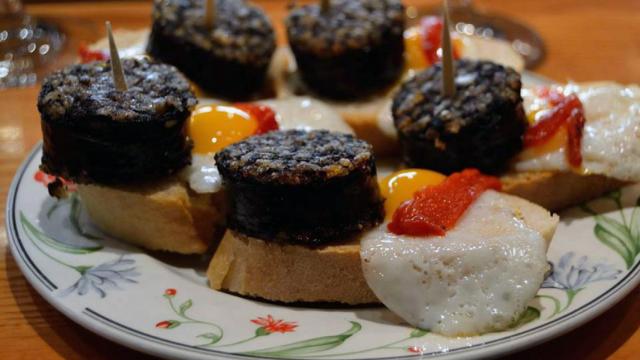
(431, 27)
(87, 55)
(264, 115)
(566, 112)
(575, 126)
(552, 96)
(436, 209)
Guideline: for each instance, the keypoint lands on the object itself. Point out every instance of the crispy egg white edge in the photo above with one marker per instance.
(611, 136)
(478, 278)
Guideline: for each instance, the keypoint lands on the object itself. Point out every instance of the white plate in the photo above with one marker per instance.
(161, 304)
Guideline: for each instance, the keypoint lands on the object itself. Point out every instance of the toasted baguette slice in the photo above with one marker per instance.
(163, 216)
(558, 190)
(295, 273)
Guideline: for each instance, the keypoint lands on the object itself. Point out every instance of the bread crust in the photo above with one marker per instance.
(293, 273)
(162, 216)
(558, 190)
(289, 273)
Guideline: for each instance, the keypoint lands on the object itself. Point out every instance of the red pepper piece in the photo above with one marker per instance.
(87, 55)
(264, 115)
(431, 27)
(567, 112)
(436, 209)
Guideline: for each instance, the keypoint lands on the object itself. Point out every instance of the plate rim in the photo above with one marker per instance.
(493, 348)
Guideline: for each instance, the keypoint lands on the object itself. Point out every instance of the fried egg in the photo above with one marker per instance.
(400, 186)
(465, 45)
(213, 127)
(305, 113)
(477, 278)
(611, 135)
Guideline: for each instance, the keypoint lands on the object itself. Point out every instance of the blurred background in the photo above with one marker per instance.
(39, 35)
(32, 43)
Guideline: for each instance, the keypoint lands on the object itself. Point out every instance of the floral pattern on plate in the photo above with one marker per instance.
(161, 304)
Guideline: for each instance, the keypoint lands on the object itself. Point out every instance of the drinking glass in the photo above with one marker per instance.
(27, 45)
(468, 20)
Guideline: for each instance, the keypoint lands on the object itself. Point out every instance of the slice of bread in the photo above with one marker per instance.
(295, 273)
(558, 190)
(162, 216)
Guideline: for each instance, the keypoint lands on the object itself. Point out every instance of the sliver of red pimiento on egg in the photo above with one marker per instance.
(264, 115)
(87, 55)
(431, 28)
(566, 113)
(436, 209)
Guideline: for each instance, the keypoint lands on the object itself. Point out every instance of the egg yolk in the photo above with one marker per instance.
(211, 128)
(414, 54)
(400, 186)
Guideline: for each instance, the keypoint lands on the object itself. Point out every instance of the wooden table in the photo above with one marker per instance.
(586, 39)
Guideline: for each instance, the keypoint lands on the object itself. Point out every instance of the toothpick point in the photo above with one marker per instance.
(116, 66)
(210, 12)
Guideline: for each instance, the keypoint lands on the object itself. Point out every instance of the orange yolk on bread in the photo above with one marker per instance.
(213, 127)
(400, 186)
(435, 209)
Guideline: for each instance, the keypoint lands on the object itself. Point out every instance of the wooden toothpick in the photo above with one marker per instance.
(448, 67)
(116, 67)
(209, 13)
(325, 5)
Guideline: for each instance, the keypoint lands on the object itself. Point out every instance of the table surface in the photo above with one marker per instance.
(586, 40)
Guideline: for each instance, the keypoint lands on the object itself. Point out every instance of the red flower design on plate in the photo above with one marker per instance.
(415, 349)
(170, 292)
(271, 325)
(167, 324)
(46, 179)
(163, 324)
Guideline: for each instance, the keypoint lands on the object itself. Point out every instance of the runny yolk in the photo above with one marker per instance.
(213, 127)
(400, 186)
(435, 209)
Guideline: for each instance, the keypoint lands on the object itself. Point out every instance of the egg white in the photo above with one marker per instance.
(477, 278)
(611, 136)
(291, 113)
(305, 113)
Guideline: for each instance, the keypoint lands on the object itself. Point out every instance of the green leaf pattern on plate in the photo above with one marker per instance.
(570, 275)
(622, 236)
(97, 278)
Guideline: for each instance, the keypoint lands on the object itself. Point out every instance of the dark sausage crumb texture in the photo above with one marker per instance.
(353, 50)
(296, 187)
(155, 93)
(481, 126)
(93, 133)
(347, 25)
(295, 157)
(241, 32)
